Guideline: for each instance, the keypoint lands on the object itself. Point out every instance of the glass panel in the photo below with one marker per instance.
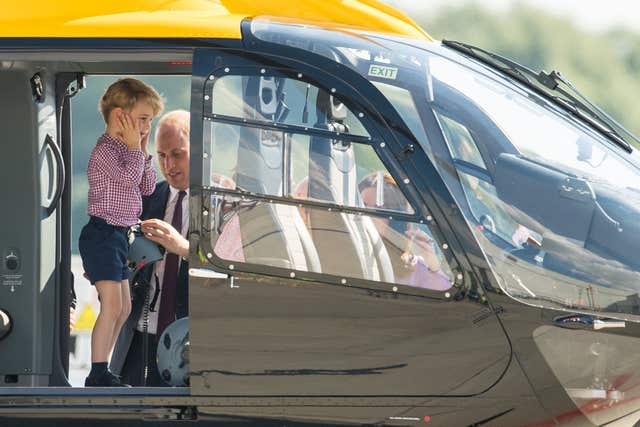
(561, 219)
(322, 241)
(402, 100)
(315, 168)
(345, 173)
(460, 141)
(282, 100)
(246, 158)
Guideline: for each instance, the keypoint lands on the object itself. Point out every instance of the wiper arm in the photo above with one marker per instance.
(598, 119)
(553, 79)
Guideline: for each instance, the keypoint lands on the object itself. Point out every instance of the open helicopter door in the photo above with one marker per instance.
(294, 332)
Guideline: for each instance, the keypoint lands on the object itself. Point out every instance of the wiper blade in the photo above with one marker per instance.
(542, 83)
(494, 60)
(553, 80)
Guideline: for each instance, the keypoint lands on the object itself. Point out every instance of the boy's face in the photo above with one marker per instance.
(142, 114)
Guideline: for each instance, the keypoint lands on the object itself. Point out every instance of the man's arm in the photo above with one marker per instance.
(164, 234)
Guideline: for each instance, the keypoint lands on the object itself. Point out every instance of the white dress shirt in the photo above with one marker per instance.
(158, 268)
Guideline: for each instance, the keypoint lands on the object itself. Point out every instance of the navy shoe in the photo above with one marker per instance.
(105, 379)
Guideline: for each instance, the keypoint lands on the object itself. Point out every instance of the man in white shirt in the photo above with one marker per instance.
(160, 293)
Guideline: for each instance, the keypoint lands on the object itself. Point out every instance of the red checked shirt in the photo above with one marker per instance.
(118, 178)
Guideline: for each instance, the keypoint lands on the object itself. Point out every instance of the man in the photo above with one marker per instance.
(165, 216)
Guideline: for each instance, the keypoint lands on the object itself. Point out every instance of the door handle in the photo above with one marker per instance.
(60, 175)
(586, 321)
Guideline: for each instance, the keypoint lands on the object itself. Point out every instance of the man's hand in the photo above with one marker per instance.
(164, 234)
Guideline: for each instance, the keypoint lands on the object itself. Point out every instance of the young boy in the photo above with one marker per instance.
(119, 173)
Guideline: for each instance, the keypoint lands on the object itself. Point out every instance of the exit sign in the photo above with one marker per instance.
(383, 72)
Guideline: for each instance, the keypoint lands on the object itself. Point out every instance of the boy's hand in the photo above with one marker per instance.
(130, 131)
(143, 145)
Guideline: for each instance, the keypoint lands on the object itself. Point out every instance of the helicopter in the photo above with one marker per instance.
(385, 229)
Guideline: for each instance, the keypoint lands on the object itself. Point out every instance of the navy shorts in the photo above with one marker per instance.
(104, 249)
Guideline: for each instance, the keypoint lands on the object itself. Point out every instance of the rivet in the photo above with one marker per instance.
(231, 266)
(299, 75)
(292, 274)
(390, 217)
(421, 221)
(429, 218)
(447, 295)
(210, 77)
(382, 145)
(329, 209)
(262, 71)
(343, 281)
(209, 255)
(205, 155)
(226, 69)
(206, 97)
(459, 276)
(445, 246)
(333, 90)
(205, 212)
(395, 289)
(406, 180)
(361, 115)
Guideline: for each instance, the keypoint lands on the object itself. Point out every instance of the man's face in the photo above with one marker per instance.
(173, 155)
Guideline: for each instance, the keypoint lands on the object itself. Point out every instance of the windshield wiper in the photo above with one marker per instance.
(548, 85)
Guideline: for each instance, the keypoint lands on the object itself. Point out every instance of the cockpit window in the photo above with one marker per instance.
(558, 206)
(286, 161)
(285, 101)
(460, 142)
(291, 162)
(553, 203)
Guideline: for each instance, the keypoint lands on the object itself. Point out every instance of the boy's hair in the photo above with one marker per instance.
(125, 93)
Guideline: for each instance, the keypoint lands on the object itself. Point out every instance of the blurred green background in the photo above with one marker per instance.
(603, 61)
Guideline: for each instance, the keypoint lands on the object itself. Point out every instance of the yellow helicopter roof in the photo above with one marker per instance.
(189, 18)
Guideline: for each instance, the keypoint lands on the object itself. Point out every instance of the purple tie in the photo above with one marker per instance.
(167, 312)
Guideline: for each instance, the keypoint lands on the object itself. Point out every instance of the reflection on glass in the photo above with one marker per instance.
(278, 99)
(544, 267)
(339, 170)
(460, 141)
(313, 168)
(323, 241)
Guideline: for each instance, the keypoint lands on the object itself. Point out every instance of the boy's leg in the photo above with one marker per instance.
(102, 337)
(125, 310)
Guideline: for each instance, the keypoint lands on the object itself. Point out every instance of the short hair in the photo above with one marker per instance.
(125, 93)
(176, 121)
